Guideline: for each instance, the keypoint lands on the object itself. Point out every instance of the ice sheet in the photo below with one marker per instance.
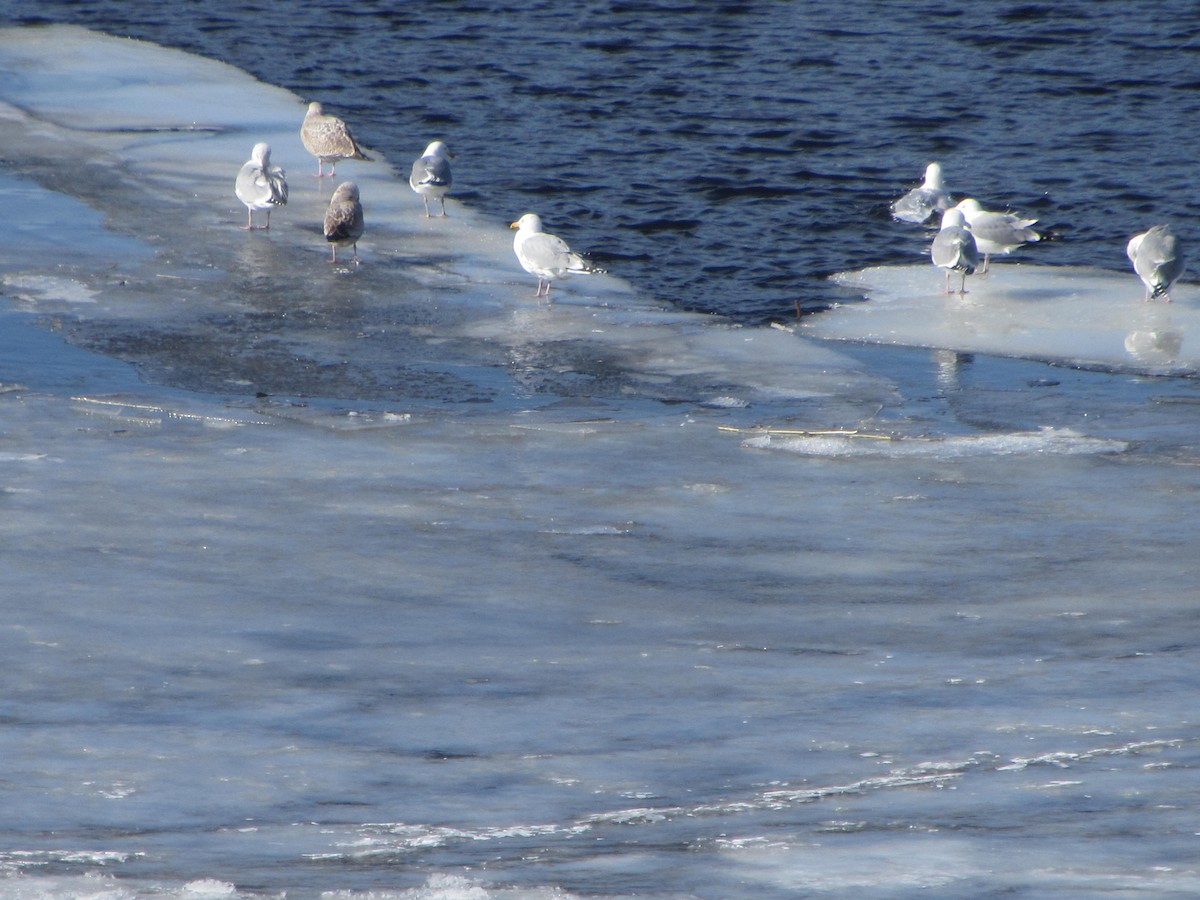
(1063, 315)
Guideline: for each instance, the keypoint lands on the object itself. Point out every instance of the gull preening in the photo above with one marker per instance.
(431, 174)
(328, 139)
(954, 248)
(546, 255)
(922, 202)
(260, 185)
(996, 232)
(1157, 259)
(344, 221)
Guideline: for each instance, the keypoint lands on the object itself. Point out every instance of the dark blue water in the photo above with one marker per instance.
(728, 157)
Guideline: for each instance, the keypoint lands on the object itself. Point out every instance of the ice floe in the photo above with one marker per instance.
(1071, 316)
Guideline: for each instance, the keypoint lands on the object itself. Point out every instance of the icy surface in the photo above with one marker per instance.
(394, 581)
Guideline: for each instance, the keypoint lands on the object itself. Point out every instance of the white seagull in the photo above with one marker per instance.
(545, 255)
(1158, 260)
(260, 185)
(328, 139)
(922, 202)
(344, 220)
(954, 249)
(431, 174)
(996, 232)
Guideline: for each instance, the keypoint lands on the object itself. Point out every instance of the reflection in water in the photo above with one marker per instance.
(1154, 347)
(1157, 339)
(950, 364)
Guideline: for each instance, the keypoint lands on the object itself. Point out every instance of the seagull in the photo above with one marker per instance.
(1157, 259)
(546, 255)
(996, 232)
(328, 139)
(954, 249)
(344, 220)
(922, 202)
(431, 174)
(260, 185)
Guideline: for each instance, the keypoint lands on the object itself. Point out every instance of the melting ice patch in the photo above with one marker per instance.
(1065, 315)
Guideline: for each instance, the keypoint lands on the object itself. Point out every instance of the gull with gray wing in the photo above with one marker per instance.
(954, 249)
(922, 202)
(546, 255)
(1158, 260)
(431, 175)
(260, 185)
(996, 232)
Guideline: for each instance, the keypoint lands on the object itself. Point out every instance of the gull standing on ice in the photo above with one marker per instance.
(996, 232)
(954, 249)
(922, 202)
(546, 255)
(1158, 260)
(344, 220)
(260, 185)
(431, 174)
(328, 139)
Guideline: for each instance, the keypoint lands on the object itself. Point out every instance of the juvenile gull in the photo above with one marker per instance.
(954, 249)
(922, 202)
(328, 139)
(260, 185)
(431, 174)
(1158, 260)
(996, 232)
(545, 255)
(344, 220)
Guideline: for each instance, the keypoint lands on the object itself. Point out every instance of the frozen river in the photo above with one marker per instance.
(392, 580)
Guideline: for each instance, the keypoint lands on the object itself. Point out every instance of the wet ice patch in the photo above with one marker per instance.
(40, 288)
(1049, 441)
(46, 228)
(133, 411)
(208, 889)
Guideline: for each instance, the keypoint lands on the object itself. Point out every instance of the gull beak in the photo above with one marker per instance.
(512, 224)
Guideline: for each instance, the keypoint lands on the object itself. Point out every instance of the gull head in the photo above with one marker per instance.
(261, 154)
(969, 207)
(346, 191)
(953, 217)
(528, 222)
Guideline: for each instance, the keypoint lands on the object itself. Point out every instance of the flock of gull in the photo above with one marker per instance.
(968, 230)
(261, 185)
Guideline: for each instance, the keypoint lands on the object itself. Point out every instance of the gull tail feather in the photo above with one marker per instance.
(580, 266)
